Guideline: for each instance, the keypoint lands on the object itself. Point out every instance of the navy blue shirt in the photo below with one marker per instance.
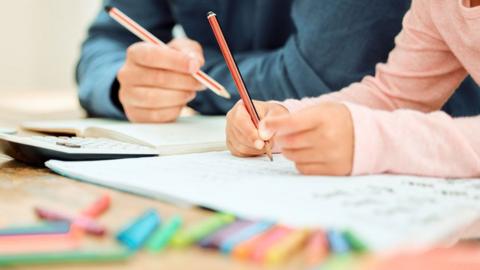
(284, 48)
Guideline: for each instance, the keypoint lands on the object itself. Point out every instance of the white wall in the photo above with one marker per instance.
(40, 42)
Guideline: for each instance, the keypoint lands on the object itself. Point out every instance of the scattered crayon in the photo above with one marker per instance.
(213, 241)
(164, 234)
(40, 242)
(276, 234)
(76, 256)
(201, 230)
(286, 247)
(243, 250)
(354, 242)
(249, 232)
(56, 227)
(88, 225)
(98, 207)
(317, 249)
(338, 244)
(137, 232)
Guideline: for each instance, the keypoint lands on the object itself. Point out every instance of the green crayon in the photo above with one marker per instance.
(200, 230)
(164, 234)
(355, 243)
(75, 256)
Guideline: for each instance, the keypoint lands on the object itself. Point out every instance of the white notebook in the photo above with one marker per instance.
(191, 134)
(386, 211)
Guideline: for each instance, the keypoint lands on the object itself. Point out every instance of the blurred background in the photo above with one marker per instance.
(40, 45)
(41, 41)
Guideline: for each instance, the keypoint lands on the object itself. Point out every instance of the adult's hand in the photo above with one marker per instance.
(156, 82)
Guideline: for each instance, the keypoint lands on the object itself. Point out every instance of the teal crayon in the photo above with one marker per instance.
(73, 256)
(136, 233)
(59, 227)
(198, 231)
(164, 234)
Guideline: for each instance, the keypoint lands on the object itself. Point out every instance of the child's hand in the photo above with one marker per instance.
(242, 136)
(318, 139)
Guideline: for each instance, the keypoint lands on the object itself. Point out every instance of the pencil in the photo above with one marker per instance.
(146, 36)
(237, 76)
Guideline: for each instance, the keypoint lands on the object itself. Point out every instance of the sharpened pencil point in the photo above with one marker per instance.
(211, 13)
(108, 8)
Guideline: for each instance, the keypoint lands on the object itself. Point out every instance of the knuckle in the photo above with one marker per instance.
(122, 74)
(290, 140)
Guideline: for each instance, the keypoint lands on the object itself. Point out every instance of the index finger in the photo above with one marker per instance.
(286, 124)
(161, 57)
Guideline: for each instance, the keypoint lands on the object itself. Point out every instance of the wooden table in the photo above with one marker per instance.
(22, 187)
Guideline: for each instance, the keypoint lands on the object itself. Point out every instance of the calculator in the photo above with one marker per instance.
(35, 150)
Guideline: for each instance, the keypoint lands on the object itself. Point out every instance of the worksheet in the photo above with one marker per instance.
(385, 211)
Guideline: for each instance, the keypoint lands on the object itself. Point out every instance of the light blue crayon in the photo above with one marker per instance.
(338, 244)
(255, 229)
(136, 233)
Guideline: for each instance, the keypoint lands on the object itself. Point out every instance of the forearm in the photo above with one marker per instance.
(411, 142)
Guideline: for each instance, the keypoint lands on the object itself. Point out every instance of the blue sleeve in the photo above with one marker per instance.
(103, 53)
(334, 44)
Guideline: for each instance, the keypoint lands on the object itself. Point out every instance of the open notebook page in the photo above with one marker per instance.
(386, 211)
(187, 135)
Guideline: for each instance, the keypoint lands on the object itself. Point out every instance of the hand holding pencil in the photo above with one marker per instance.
(243, 138)
(158, 79)
(237, 77)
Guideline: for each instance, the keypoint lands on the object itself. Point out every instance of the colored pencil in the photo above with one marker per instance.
(146, 36)
(237, 76)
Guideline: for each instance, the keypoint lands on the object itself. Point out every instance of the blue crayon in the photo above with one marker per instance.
(246, 233)
(136, 233)
(338, 244)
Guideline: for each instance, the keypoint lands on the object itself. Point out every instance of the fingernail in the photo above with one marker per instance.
(265, 134)
(259, 144)
(263, 131)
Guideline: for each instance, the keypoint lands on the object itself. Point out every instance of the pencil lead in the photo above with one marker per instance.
(108, 8)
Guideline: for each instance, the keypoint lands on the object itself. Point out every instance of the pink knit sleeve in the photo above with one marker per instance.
(397, 126)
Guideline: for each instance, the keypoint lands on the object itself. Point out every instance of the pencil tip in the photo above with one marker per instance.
(108, 8)
(211, 13)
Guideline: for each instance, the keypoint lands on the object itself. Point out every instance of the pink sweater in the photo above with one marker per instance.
(397, 122)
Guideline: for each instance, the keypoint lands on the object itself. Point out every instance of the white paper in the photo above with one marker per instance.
(386, 211)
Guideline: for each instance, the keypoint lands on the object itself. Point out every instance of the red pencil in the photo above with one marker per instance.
(237, 76)
(146, 36)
